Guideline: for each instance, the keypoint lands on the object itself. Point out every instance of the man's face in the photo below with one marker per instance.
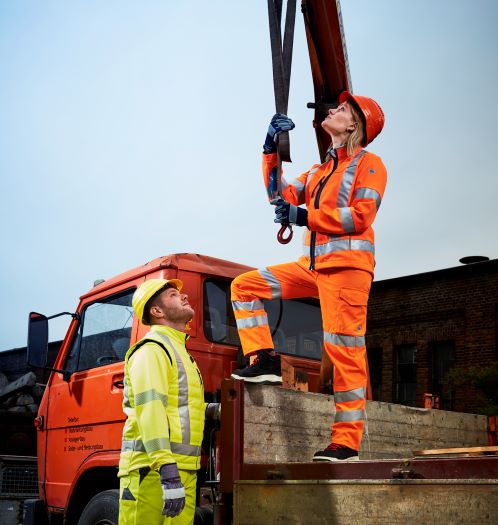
(172, 306)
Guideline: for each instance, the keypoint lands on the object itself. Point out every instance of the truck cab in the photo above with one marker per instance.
(80, 419)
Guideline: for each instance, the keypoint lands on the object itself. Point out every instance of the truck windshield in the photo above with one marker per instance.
(296, 324)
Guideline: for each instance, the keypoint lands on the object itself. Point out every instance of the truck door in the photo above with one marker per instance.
(85, 414)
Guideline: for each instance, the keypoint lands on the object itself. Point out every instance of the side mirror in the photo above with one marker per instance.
(37, 340)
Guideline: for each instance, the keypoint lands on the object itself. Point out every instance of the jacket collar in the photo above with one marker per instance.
(341, 153)
(180, 337)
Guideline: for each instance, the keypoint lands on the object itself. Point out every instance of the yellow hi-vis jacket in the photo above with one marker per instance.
(164, 404)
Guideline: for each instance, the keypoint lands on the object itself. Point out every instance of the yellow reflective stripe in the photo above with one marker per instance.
(150, 395)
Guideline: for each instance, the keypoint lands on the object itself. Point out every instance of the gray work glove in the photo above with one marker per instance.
(173, 490)
(278, 124)
(213, 411)
(286, 213)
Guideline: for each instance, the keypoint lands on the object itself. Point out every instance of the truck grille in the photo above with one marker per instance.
(18, 477)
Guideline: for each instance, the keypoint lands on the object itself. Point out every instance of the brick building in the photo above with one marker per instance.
(421, 326)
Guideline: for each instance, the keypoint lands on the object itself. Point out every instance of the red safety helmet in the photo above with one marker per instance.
(373, 115)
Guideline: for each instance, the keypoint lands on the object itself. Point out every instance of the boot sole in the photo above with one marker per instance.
(267, 379)
(336, 460)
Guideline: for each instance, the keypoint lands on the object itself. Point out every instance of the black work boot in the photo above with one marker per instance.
(265, 370)
(335, 452)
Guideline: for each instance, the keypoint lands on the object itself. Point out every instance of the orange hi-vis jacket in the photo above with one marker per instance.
(342, 197)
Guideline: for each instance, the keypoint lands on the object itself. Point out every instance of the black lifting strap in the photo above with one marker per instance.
(282, 62)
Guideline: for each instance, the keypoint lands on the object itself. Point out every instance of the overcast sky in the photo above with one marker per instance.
(131, 130)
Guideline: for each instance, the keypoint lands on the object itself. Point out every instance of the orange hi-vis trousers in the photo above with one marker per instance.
(343, 297)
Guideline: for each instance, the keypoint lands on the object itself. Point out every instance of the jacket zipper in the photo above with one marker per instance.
(317, 203)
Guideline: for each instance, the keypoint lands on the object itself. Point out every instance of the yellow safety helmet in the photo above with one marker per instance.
(146, 290)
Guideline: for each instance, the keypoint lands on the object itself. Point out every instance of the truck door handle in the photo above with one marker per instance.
(119, 383)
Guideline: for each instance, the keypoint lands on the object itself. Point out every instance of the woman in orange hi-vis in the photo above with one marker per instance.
(342, 197)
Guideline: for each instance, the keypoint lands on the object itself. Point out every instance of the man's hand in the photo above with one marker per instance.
(173, 490)
(286, 213)
(279, 123)
(213, 411)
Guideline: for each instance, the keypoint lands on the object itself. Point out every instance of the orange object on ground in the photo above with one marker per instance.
(344, 296)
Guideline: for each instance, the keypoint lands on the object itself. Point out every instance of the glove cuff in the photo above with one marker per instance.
(297, 215)
(168, 472)
(269, 146)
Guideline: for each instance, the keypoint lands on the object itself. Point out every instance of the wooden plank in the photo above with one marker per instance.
(397, 502)
(466, 451)
(289, 426)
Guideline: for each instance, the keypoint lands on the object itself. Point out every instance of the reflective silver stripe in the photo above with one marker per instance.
(132, 445)
(347, 416)
(183, 409)
(292, 214)
(299, 189)
(350, 395)
(310, 174)
(339, 246)
(173, 493)
(156, 444)
(347, 181)
(351, 341)
(248, 305)
(368, 193)
(252, 322)
(150, 395)
(126, 399)
(347, 220)
(272, 281)
(185, 449)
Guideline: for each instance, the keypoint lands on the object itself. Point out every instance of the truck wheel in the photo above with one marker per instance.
(102, 509)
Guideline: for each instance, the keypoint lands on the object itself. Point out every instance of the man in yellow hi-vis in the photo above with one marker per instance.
(164, 404)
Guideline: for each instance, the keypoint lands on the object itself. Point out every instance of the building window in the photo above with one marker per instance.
(405, 388)
(375, 369)
(443, 360)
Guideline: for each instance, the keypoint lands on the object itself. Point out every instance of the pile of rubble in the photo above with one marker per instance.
(22, 395)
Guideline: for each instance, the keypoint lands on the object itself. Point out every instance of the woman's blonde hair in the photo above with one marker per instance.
(357, 136)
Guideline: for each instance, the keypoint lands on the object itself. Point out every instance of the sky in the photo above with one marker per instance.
(130, 130)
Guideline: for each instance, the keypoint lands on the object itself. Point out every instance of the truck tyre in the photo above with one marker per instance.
(102, 509)
(203, 516)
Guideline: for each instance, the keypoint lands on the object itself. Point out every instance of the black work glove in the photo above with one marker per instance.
(286, 213)
(213, 411)
(279, 123)
(173, 490)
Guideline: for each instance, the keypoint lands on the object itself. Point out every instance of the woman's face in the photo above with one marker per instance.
(339, 120)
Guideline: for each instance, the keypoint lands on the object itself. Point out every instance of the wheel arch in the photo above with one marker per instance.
(98, 473)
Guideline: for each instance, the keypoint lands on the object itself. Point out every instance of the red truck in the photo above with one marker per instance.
(80, 419)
